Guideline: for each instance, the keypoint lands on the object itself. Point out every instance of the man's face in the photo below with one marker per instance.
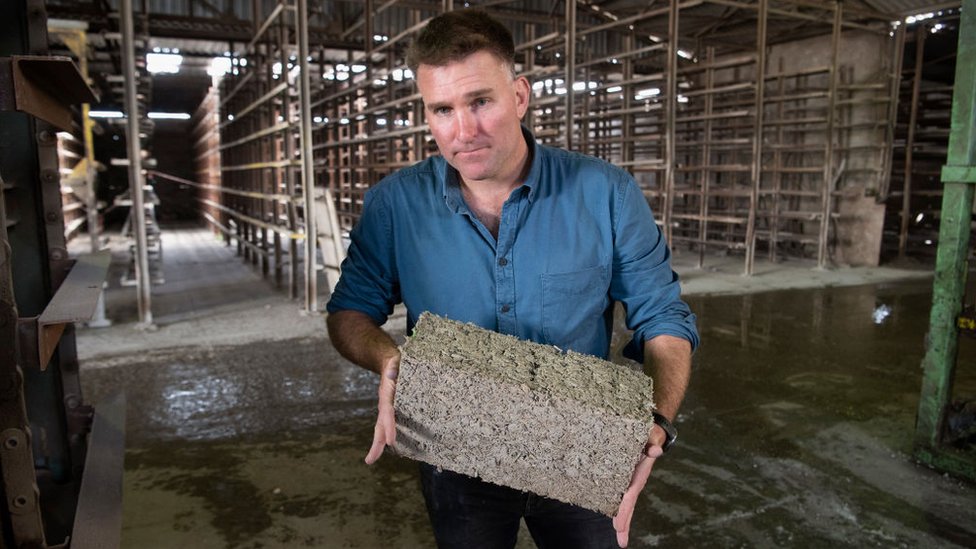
(474, 109)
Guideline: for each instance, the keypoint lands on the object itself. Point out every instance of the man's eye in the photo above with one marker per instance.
(481, 101)
(442, 111)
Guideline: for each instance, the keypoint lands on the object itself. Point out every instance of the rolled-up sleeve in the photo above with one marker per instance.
(369, 280)
(642, 276)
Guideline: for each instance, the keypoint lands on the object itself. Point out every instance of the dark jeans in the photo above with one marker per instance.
(467, 513)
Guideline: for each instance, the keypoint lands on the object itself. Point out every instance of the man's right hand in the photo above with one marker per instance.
(359, 339)
(384, 433)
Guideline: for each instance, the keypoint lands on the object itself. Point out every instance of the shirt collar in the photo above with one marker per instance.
(451, 183)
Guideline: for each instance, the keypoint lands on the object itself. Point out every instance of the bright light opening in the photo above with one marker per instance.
(648, 93)
(106, 114)
(614, 89)
(163, 63)
(169, 115)
(219, 66)
(919, 17)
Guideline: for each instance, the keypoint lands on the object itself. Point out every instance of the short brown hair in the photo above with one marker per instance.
(454, 35)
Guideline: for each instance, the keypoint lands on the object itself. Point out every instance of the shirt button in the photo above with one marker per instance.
(505, 308)
(503, 262)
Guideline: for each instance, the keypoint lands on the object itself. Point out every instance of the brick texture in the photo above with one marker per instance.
(563, 425)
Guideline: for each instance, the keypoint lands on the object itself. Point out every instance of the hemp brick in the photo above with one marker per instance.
(516, 413)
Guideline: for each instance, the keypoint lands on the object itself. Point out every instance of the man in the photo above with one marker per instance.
(515, 237)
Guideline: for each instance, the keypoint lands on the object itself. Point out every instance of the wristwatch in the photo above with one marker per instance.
(670, 433)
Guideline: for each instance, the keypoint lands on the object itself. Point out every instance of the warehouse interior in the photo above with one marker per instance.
(168, 380)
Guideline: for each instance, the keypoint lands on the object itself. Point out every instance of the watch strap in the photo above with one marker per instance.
(671, 434)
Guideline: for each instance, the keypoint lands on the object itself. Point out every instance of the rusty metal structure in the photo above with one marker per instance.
(757, 128)
(53, 490)
(747, 129)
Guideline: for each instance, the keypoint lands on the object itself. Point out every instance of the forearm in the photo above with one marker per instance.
(667, 359)
(361, 341)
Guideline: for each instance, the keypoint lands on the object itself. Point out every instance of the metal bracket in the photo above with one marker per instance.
(43, 86)
(74, 301)
(958, 174)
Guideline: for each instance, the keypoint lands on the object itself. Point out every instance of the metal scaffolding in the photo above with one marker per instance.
(747, 129)
(921, 136)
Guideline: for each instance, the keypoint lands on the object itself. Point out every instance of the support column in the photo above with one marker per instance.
(959, 177)
(894, 85)
(308, 170)
(906, 197)
(670, 113)
(136, 184)
(826, 201)
(757, 135)
(570, 69)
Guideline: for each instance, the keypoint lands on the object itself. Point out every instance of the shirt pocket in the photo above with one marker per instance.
(573, 304)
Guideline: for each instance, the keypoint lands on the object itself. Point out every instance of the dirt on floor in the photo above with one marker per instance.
(246, 429)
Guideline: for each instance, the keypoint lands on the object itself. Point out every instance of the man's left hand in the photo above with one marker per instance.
(653, 450)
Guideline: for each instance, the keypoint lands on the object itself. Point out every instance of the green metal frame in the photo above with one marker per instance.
(958, 176)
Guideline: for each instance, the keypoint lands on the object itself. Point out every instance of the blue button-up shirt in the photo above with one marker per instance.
(574, 238)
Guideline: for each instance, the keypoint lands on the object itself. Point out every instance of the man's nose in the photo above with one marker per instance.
(467, 125)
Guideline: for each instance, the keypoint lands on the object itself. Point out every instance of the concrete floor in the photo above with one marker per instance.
(245, 429)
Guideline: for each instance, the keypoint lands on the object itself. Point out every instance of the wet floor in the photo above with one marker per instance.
(796, 431)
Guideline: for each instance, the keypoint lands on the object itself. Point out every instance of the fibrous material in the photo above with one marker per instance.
(567, 426)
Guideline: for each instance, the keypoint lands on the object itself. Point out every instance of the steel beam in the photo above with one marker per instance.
(98, 520)
(951, 264)
(826, 200)
(670, 115)
(136, 184)
(570, 64)
(906, 198)
(308, 170)
(757, 135)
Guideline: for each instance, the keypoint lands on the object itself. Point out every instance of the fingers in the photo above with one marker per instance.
(621, 522)
(384, 433)
(379, 442)
(653, 451)
(387, 395)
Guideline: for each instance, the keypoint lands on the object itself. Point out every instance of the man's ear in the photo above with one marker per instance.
(522, 91)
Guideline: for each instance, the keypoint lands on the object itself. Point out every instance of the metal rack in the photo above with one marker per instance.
(921, 142)
(742, 144)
